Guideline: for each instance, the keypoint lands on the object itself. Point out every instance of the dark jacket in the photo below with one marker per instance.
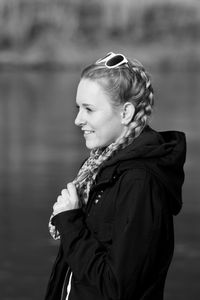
(120, 246)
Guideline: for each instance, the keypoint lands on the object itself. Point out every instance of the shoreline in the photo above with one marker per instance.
(157, 56)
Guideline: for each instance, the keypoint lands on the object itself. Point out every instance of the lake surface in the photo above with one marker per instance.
(41, 150)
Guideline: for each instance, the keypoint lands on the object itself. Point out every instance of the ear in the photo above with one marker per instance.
(128, 111)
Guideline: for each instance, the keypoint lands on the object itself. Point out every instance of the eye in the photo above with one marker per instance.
(88, 109)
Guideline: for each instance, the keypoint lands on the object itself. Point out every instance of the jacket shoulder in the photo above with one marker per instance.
(135, 171)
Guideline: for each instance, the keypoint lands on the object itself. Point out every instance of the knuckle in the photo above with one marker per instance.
(55, 205)
(59, 198)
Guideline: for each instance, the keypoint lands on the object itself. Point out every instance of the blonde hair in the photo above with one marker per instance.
(126, 84)
(122, 84)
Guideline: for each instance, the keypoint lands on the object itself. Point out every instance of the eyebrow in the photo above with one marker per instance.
(85, 105)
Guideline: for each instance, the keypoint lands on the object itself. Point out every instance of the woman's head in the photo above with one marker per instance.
(126, 89)
(98, 120)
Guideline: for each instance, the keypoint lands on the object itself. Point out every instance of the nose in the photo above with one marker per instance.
(79, 120)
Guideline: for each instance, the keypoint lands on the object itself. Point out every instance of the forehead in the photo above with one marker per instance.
(91, 92)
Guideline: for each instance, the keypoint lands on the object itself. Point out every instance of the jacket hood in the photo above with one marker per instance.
(163, 153)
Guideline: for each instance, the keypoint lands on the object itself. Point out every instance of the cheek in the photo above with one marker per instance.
(110, 127)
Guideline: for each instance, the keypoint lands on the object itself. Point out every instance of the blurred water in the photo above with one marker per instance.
(41, 150)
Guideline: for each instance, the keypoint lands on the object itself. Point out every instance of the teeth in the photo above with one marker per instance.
(88, 131)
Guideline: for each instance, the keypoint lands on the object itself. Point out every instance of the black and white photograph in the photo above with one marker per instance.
(99, 149)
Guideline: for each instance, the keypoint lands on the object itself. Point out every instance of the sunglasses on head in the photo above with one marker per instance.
(112, 60)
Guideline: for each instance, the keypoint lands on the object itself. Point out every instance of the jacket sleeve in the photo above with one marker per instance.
(114, 270)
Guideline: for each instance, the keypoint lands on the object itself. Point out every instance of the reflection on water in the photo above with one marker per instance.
(41, 150)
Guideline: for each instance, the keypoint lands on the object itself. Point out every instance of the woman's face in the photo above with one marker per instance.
(100, 122)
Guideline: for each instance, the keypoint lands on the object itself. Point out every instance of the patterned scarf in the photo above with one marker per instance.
(89, 170)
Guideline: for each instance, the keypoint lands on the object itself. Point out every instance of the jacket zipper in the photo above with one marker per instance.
(65, 285)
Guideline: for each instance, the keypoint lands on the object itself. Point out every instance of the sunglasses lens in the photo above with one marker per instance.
(115, 60)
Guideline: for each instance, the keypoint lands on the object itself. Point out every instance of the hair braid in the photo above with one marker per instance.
(126, 83)
(131, 85)
(121, 84)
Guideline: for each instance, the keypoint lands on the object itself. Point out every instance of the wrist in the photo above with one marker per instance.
(68, 219)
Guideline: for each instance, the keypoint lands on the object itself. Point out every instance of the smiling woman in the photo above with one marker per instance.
(115, 220)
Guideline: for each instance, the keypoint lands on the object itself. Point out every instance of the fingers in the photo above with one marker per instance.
(57, 206)
(60, 199)
(67, 200)
(62, 202)
(65, 193)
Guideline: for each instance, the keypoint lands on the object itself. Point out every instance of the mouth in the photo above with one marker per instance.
(88, 132)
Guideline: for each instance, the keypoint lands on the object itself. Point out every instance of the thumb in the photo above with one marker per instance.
(71, 188)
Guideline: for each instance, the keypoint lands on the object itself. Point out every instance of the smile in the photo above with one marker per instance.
(87, 132)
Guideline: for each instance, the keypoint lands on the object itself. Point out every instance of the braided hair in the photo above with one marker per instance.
(125, 83)
(122, 84)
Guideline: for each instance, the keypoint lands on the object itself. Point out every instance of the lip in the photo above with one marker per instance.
(87, 132)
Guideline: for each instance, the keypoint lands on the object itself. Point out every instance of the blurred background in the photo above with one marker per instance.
(44, 44)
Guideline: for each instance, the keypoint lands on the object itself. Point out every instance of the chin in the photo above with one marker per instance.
(92, 146)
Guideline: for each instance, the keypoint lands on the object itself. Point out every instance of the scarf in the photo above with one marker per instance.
(89, 170)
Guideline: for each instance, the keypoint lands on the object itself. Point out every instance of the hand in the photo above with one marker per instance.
(68, 200)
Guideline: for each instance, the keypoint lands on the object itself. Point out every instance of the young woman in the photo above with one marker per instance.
(115, 220)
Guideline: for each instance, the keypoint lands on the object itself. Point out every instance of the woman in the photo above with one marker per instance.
(115, 220)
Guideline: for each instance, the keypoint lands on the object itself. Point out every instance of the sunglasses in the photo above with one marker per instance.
(112, 60)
